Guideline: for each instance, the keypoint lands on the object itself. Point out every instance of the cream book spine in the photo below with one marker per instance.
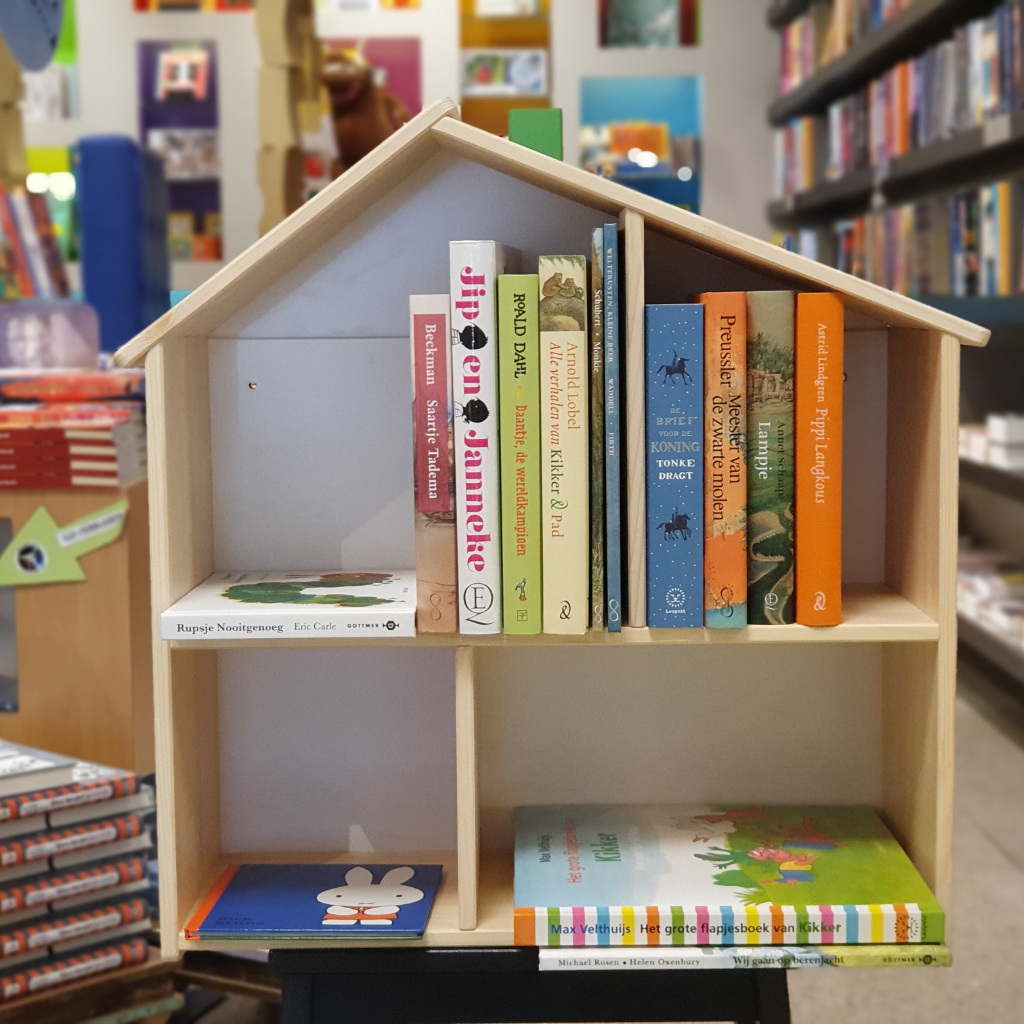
(473, 268)
(565, 443)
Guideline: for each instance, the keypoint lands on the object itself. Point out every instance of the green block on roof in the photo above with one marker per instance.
(538, 129)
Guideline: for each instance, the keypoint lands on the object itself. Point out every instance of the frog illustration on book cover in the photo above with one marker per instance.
(325, 588)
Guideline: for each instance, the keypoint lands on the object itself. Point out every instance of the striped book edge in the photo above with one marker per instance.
(890, 923)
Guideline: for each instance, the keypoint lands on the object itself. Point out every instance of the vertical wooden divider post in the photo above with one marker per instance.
(467, 825)
(632, 225)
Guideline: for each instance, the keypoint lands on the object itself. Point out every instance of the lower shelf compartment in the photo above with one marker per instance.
(494, 929)
(494, 907)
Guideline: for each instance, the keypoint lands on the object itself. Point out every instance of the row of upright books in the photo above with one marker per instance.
(827, 31)
(959, 84)
(522, 521)
(76, 846)
(964, 244)
(526, 504)
(31, 265)
(68, 430)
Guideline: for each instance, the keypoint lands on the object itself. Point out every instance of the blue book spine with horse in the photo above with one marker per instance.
(674, 445)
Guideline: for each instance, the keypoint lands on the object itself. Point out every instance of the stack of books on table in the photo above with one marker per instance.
(999, 441)
(521, 500)
(74, 429)
(661, 886)
(76, 840)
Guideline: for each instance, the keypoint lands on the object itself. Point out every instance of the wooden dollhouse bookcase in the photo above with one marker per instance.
(280, 438)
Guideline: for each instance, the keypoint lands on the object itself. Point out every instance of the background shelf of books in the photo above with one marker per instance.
(910, 176)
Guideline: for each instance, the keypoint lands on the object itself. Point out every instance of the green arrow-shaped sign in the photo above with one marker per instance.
(43, 552)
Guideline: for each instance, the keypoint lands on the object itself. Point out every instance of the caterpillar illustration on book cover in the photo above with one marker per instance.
(326, 588)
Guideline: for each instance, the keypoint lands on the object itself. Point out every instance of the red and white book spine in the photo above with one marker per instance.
(474, 267)
(72, 968)
(433, 465)
(33, 248)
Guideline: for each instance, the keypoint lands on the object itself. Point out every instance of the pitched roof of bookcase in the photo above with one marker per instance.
(246, 276)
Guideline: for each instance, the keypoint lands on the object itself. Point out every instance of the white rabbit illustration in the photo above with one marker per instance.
(359, 901)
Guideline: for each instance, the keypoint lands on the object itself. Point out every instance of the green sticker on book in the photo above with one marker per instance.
(43, 552)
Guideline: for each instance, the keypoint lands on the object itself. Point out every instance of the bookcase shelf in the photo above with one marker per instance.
(1007, 656)
(992, 478)
(908, 33)
(494, 914)
(430, 743)
(782, 12)
(974, 157)
(869, 617)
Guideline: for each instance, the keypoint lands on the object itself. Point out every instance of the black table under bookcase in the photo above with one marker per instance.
(505, 986)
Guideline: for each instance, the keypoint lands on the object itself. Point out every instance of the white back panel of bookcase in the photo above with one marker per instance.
(766, 724)
(324, 749)
(358, 284)
(312, 468)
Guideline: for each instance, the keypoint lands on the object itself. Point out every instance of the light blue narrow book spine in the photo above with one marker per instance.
(674, 443)
(612, 433)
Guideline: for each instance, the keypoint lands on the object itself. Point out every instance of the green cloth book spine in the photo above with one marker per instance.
(770, 567)
(519, 409)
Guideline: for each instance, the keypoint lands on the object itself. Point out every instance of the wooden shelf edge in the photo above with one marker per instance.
(870, 617)
(992, 646)
(992, 478)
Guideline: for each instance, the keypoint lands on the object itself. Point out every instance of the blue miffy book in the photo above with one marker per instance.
(337, 901)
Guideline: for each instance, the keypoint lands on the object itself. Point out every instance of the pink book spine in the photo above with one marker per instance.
(433, 465)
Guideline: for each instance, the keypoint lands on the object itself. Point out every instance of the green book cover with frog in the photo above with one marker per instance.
(770, 573)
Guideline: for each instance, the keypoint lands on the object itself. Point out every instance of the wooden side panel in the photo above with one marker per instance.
(141, 628)
(636, 497)
(919, 689)
(466, 786)
(184, 682)
(83, 648)
(188, 810)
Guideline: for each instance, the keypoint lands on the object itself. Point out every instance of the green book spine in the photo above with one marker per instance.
(597, 431)
(770, 573)
(519, 411)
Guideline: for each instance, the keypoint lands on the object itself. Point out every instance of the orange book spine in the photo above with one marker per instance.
(1003, 200)
(725, 459)
(819, 458)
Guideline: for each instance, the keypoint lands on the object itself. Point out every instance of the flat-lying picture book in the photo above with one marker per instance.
(715, 875)
(346, 901)
(289, 604)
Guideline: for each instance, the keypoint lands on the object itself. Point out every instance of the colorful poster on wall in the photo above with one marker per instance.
(645, 133)
(178, 120)
(372, 5)
(662, 23)
(194, 5)
(513, 72)
(51, 94)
